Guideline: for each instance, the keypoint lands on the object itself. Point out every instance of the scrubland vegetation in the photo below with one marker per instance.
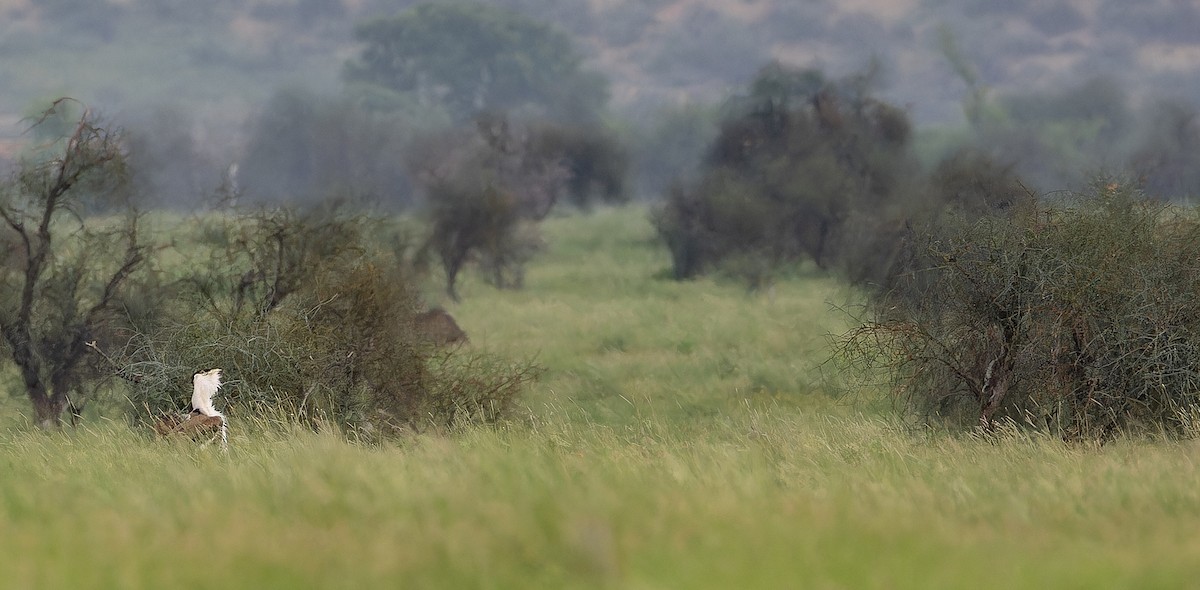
(684, 434)
(783, 337)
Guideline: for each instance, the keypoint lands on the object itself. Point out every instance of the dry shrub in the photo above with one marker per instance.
(344, 347)
(474, 388)
(1082, 318)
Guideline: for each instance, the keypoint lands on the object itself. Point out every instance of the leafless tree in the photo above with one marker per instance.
(64, 272)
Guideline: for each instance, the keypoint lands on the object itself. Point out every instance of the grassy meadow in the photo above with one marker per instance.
(685, 435)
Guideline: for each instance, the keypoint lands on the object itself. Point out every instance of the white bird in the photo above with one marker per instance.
(204, 387)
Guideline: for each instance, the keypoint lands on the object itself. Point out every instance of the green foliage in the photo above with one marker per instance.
(638, 467)
(274, 253)
(469, 219)
(882, 247)
(473, 208)
(592, 494)
(621, 345)
(477, 57)
(974, 184)
(1080, 319)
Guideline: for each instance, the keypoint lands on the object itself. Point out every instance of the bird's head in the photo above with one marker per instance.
(211, 379)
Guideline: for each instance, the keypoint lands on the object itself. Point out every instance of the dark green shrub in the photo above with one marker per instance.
(245, 263)
(880, 246)
(596, 163)
(798, 159)
(474, 217)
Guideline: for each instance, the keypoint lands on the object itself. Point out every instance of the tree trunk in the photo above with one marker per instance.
(47, 409)
(452, 265)
(451, 276)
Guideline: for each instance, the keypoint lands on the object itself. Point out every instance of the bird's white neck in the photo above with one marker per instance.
(204, 387)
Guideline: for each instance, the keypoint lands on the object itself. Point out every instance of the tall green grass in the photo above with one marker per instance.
(622, 342)
(686, 435)
(754, 500)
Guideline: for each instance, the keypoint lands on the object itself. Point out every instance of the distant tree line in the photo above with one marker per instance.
(1060, 138)
(470, 58)
(479, 117)
(986, 302)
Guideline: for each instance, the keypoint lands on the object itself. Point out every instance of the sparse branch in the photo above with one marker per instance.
(47, 336)
(134, 257)
(14, 222)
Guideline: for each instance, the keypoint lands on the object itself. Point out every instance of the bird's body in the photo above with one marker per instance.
(204, 387)
(203, 419)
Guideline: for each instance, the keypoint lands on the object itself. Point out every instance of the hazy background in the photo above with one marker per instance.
(191, 77)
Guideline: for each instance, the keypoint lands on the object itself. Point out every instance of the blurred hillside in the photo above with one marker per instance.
(219, 58)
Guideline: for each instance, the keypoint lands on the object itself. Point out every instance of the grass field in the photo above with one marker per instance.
(685, 435)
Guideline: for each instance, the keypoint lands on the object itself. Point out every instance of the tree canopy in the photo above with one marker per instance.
(471, 58)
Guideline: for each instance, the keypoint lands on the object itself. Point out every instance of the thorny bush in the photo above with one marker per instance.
(1080, 317)
(315, 321)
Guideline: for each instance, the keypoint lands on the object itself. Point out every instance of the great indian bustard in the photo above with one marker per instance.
(204, 387)
(203, 417)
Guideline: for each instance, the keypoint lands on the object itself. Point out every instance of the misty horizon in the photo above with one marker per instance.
(215, 67)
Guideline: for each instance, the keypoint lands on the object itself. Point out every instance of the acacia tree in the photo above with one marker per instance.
(473, 57)
(1077, 316)
(62, 277)
(485, 190)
